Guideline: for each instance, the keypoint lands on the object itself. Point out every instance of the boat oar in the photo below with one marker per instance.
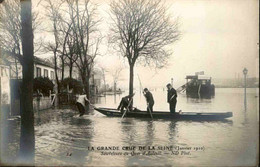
(150, 110)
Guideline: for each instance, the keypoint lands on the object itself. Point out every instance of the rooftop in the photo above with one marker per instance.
(9, 61)
(40, 61)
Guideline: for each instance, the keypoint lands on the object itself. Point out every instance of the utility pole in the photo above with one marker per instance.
(245, 73)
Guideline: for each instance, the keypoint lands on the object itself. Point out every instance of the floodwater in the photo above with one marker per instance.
(63, 138)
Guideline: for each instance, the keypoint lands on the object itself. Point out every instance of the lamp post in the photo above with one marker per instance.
(171, 81)
(245, 73)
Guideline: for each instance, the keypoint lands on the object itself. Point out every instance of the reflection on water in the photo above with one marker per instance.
(198, 96)
(63, 138)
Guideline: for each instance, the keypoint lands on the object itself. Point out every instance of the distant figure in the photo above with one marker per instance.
(172, 98)
(149, 99)
(81, 104)
(124, 103)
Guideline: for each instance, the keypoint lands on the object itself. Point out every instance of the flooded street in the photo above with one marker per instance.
(64, 138)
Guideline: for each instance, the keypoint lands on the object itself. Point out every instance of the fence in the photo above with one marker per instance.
(42, 103)
(67, 98)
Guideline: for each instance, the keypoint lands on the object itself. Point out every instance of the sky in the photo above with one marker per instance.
(218, 37)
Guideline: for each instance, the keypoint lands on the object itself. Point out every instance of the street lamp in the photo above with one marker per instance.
(245, 73)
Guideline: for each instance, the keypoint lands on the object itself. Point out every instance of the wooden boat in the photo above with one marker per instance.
(166, 115)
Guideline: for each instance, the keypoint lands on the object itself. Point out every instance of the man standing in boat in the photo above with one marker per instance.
(171, 98)
(149, 99)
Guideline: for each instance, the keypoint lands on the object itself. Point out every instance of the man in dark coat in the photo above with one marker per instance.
(172, 98)
(124, 103)
(149, 99)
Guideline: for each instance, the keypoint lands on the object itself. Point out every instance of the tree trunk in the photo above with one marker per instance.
(87, 87)
(71, 68)
(85, 81)
(27, 138)
(86, 84)
(62, 69)
(57, 100)
(16, 68)
(105, 87)
(131, 82)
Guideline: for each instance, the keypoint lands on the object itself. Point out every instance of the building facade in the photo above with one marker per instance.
(42, 68)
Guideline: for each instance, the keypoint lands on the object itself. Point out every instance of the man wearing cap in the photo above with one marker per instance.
(171, 98)
(149, 99)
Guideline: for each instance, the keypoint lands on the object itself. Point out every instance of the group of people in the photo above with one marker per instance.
(171, 99)
(127, 101)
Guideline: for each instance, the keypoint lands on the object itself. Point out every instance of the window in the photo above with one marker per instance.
(38, 72)
(52, 75)
(46, 73)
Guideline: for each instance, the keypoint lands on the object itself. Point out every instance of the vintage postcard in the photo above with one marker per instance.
(129, 82)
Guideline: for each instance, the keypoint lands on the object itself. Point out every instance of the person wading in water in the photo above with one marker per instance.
(82, 100)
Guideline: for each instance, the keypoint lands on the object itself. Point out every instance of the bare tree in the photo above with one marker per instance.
(71, 54)
(58, 46)
(87, 37)
(10, 27)
(16, 41)
(10, 33)
(142, 30)
(76, 37)
(67, 46)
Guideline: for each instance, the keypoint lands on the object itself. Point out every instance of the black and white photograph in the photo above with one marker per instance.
(129, 83)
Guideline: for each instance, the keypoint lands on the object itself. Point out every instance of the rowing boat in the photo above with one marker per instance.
(110, 112)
